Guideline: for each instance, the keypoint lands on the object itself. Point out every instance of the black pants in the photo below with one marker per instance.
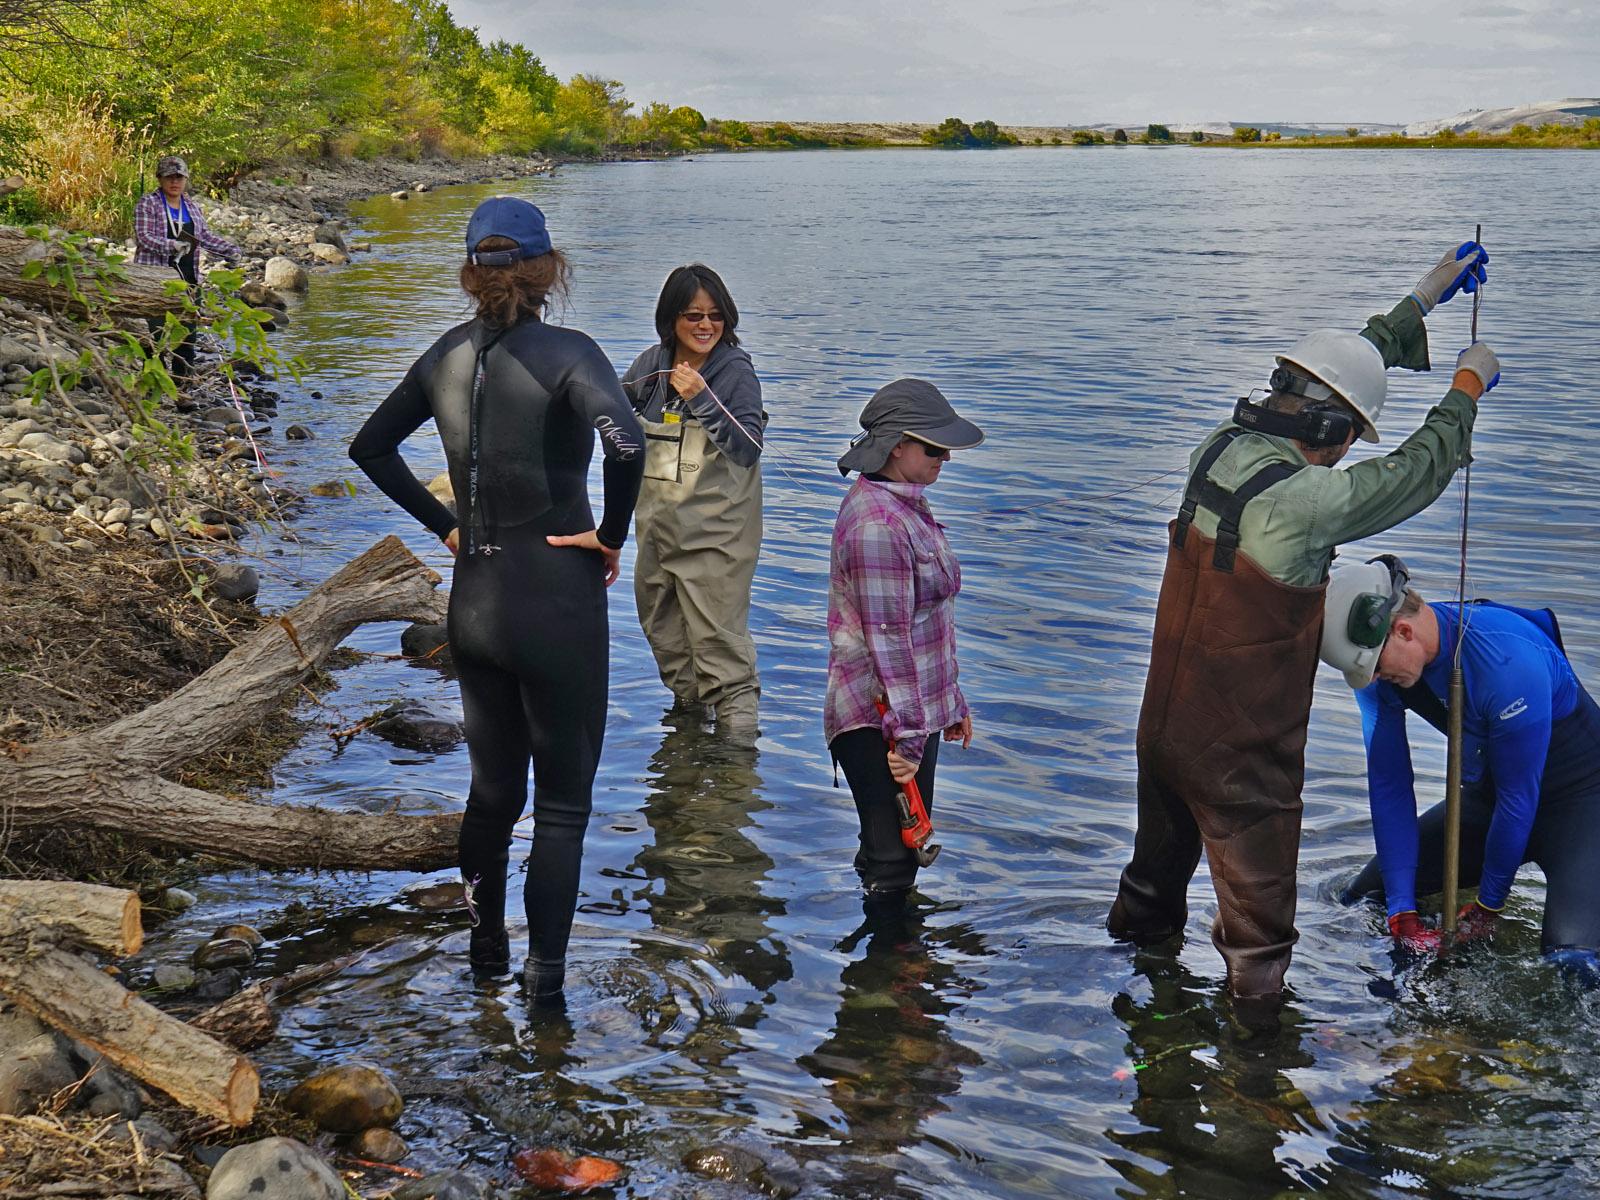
(529, 634)
(884, 862)
(1565, 841)
(183, 352)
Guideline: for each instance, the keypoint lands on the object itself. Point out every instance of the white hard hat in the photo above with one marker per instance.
(1349, 366)
(1357, 613)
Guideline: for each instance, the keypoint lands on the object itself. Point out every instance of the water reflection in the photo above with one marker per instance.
(707, 878)
(1216, 1106)
(891, 1060)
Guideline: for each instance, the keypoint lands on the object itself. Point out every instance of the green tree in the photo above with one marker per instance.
(952, 131)
(1196, 136)
(1246, 133)
(1351, 131)
(1120, 136)
(1157, 133)
(1082, 137)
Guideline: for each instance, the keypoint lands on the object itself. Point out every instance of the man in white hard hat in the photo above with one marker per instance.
(1221, 743)
(1530, 758)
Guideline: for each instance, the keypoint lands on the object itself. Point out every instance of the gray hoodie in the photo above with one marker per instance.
(729, 373)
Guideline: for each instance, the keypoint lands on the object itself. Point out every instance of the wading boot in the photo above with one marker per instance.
(543, 978)
(489, 952)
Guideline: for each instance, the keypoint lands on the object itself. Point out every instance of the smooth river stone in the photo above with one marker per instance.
(224, 952)
(347, 1098)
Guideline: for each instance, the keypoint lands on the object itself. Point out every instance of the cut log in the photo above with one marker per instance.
(111, 778)
(244, 1020)
(89, 1006)
(142, 294)
(35, 913)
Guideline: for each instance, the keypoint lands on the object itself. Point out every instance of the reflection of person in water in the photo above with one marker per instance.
(890, 1060)
(705, 872)
(1213, 1103)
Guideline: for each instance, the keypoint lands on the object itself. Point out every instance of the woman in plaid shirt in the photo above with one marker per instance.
(891, 623)
(169, 231)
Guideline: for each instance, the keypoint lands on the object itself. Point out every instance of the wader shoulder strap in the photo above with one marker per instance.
(1197, 479)
(1229, 506)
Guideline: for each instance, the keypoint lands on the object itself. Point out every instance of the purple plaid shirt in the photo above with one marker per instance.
(891, 618)
(154, 248)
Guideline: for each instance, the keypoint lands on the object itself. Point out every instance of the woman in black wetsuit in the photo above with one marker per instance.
(517, 403)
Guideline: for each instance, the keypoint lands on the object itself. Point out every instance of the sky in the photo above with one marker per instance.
(1076, 62)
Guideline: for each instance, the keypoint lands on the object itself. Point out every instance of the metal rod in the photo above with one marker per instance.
(1452, 804)
(1458, 692)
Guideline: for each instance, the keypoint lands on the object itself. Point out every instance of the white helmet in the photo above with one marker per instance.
(1348, 365)
(1357, 613)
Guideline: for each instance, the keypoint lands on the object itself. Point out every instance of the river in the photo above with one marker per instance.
(1096, 311)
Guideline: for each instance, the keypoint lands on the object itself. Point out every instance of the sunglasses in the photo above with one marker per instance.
(694, 318)
(929, 448)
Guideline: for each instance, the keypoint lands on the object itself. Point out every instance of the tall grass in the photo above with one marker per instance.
(85, 169)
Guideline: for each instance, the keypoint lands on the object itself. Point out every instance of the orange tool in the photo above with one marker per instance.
(916, 828)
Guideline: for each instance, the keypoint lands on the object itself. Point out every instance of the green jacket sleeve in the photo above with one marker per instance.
(1400, 336)
(1371, 496)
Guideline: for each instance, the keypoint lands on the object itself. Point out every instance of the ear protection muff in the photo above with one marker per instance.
(1317, 425)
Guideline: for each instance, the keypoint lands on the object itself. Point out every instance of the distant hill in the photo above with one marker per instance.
(1500, 120)
(1482, 120)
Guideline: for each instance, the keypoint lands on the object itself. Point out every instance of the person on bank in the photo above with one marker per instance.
(169, 231)
(1222, 731)
(1530, 758)
(699, 514)
(892, 588)
(517, 404)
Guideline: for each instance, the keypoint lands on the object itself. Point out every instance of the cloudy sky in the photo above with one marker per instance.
(1032, 62)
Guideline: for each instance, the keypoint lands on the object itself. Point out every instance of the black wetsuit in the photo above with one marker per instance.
(528, 625)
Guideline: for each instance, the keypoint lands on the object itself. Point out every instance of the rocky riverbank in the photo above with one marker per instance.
(116, 588)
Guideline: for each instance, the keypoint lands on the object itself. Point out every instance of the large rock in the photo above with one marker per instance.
(277, 1168)
(347, 1098)
(431, 642)
(328, 234)
(34, 1063)
(413, 727)
(323, 252)
(285, 274)
(380, 1145)
(236, 581)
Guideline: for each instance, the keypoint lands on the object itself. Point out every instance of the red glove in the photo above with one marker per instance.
(1475, 922)
(1413, 935)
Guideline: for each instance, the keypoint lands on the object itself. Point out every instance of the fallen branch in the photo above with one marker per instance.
(114, 778)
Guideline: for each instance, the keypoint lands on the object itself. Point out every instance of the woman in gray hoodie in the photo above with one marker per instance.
(699, 513)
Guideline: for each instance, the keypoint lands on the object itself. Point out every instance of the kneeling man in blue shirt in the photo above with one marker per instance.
(1530, 757)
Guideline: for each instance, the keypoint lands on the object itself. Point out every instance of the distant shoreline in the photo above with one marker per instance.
(899, 135)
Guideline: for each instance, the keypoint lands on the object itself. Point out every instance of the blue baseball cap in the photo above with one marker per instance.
(507, 217)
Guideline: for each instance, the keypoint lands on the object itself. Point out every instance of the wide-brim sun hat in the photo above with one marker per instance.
(902, 409)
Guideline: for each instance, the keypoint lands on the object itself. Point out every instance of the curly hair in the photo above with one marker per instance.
(506, 295)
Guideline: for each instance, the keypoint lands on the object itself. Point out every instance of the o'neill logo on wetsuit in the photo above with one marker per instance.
(1515, 708)
(615, 434)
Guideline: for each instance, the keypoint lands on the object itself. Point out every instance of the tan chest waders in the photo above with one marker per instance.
(699, 535)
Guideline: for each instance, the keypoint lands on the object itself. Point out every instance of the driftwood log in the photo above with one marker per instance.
(142, 294)
(247, 1018)
(112, 778)
(64, 990)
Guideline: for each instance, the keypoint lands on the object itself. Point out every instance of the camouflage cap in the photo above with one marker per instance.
(171, 165)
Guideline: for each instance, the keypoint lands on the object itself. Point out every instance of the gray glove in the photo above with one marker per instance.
(1461, 269)
(1480, 360)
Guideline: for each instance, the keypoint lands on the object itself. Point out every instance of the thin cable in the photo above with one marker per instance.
(1462, 609)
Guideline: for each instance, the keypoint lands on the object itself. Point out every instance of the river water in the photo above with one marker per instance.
(1097, 312)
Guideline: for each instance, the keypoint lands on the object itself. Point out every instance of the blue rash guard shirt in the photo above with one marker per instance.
(1518, 684)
